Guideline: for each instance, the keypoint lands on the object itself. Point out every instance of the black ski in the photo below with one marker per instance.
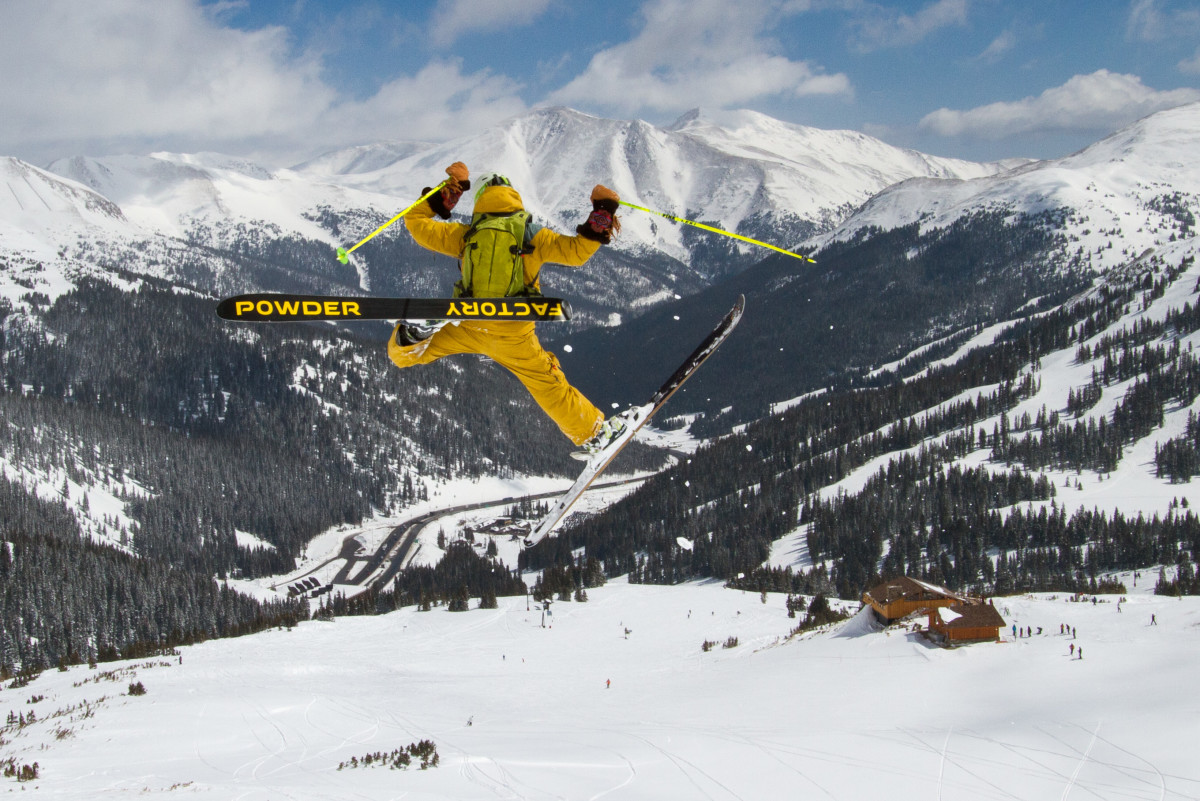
(634, 419)
(283, 308)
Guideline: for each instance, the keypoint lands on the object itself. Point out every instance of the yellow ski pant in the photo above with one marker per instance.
(514, 346)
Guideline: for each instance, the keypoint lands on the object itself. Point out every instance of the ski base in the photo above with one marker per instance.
(635, 418)
(285, 308)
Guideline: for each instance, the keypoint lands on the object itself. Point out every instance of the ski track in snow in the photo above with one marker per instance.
(518, 711)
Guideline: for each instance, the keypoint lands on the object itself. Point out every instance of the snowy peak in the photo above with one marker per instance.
(134, 182)
(1140, 187)
(728, 168)
(1160, 147)
(169, 193)
(752, 134)
(41, 212)
(35, 196)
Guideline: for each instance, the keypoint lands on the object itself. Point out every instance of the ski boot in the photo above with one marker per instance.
(415, 331)
(610, 430)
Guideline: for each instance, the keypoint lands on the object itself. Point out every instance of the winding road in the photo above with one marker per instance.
(375, 570)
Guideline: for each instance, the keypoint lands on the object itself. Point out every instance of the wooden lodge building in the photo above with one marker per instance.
(900, 597)
(953, 618)
(968, 623)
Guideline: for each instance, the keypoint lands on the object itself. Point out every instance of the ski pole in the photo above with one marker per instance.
(719, 231)
(343, 254)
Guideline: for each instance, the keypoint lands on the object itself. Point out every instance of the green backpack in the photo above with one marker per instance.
(491, 258)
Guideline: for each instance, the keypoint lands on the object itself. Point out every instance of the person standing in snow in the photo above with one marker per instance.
(513, 345)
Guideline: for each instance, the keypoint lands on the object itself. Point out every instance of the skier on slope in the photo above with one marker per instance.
(513, 345)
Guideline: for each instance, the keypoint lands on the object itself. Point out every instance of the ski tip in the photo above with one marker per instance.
(735, 313)
(343, 256)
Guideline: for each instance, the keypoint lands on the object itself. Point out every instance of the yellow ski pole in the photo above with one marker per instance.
(719, 231)
(343, 254)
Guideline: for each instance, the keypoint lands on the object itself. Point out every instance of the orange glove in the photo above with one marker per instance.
(459, 177)
(605, 198)
(458, 182)
(602, 223)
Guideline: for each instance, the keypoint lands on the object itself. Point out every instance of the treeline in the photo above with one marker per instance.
(718, 513)
(66, 600)
(919, 511)
(168, 433)
(876, 298)
(1148, 353)
(203, 429)
(461, 574)
(733, 498)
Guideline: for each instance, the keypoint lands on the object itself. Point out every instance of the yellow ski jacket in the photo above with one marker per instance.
(548, 246)
(513, 345)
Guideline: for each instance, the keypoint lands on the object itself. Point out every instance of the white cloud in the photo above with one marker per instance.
(1150, 22)
(453, 19)
(1003, 43)
(880, 27)
(1101, 101)
(130, 75)
(124, 68)
(697, 52)
(439, 102)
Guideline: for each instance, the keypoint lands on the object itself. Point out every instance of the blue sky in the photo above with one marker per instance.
(284, 79)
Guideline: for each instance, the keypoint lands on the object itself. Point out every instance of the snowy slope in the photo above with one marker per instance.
(724, 168)
(1131, 489)
(171, 192)
(517, 710)
(39, 210)
(42, 218)
(1113, 190)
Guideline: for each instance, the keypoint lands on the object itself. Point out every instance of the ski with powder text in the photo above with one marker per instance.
(285, 308)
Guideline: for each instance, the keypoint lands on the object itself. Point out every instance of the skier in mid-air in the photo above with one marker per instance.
(501, 253)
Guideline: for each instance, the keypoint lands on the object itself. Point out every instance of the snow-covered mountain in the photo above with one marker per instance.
(726, 168)
(221, 224)
(1138, 189)
(740, 170)
(171, 193)
(734, 169)
(929, 257)
(39, 209)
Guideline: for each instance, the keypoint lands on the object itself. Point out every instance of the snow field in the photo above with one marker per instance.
(518, 710)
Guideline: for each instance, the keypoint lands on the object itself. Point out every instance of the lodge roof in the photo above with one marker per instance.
(904, 587)
(969, 616)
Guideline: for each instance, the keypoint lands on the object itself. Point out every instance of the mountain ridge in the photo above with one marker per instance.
(554, 155)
